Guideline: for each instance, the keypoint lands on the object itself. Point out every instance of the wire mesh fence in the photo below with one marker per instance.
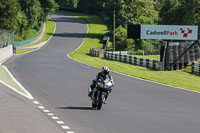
(6, 37)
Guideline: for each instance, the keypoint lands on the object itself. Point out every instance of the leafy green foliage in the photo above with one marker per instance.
(122, 42)
(9, 9)
(25, 16)
(49, 7)
(137, 12)
(68, 3)
(33, 12)
(181, 12)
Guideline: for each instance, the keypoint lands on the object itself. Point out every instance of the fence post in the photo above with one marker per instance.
(141, 61)
(125, 58)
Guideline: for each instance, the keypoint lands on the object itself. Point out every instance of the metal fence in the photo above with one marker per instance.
(196, 68)
(6, 37)
(96, 52)
(27, 42)
(152, 64)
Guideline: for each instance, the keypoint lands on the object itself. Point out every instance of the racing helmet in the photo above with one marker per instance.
(105, 70)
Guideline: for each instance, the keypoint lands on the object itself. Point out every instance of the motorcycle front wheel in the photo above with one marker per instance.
(94, 105)
(100, 101)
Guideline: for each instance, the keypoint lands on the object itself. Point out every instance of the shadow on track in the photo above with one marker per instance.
(77, 35)
(69, 20)
(76, 108)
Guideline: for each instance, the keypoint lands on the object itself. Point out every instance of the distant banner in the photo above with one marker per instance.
(169, 32)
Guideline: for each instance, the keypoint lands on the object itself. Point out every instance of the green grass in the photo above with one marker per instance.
(183, 79)
(5, 77)
(22, 51)
(153, 57)
(50, 27)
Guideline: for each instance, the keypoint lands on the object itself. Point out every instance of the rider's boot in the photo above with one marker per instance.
(89, 92)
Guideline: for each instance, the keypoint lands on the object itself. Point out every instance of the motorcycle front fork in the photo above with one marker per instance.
(105, 96)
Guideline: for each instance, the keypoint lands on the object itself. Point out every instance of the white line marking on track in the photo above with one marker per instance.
(54, 117)
(50, 114)
(60, 122)
(65, 127)
(70, 132)
(36, 102)
(46, 111)
(41, 107)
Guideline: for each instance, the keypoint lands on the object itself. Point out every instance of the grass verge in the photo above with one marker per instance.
(153, 57)
(5, 77)
(22, 51)
(183, 79)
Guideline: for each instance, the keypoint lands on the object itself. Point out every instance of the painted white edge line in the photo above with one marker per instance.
(46, 111)
(28, 95)
(60, 122)
(14, 89)
(55, 117)
(50, 114)
(70, 132)
(65, 127)
(129, 75)
(41, 107)
(36, 102)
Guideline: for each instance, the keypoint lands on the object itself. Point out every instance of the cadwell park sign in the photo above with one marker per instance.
(164, 32)
(167, 32)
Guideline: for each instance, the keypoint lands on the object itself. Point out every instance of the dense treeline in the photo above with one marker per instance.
(182, 12)
(168, 12)
(25, 16)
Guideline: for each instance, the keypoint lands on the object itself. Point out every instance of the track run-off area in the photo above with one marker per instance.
(134, 106)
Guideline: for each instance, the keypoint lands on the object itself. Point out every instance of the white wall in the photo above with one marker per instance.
(6, 53)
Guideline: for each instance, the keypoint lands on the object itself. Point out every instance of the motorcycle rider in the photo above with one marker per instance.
(104, 71)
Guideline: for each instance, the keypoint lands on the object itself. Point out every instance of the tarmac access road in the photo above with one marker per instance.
(134, 106)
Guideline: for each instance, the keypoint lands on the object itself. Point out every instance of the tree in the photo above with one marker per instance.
(90, 6)
(68, 3)
(9, 9)
(34, 13)
(180, 12)
(132, 11)
(122, 42)
(48, 7)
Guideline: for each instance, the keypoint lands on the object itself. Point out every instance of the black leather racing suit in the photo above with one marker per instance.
(94, 82)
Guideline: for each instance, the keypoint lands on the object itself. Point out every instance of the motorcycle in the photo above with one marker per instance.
(101, 91)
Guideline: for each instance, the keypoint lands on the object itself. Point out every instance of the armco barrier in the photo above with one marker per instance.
(196, 68)
(153, 64)
(27, 42)
(6, 53)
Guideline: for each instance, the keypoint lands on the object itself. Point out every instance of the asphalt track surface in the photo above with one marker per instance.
(19, 115)
(134, 106)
